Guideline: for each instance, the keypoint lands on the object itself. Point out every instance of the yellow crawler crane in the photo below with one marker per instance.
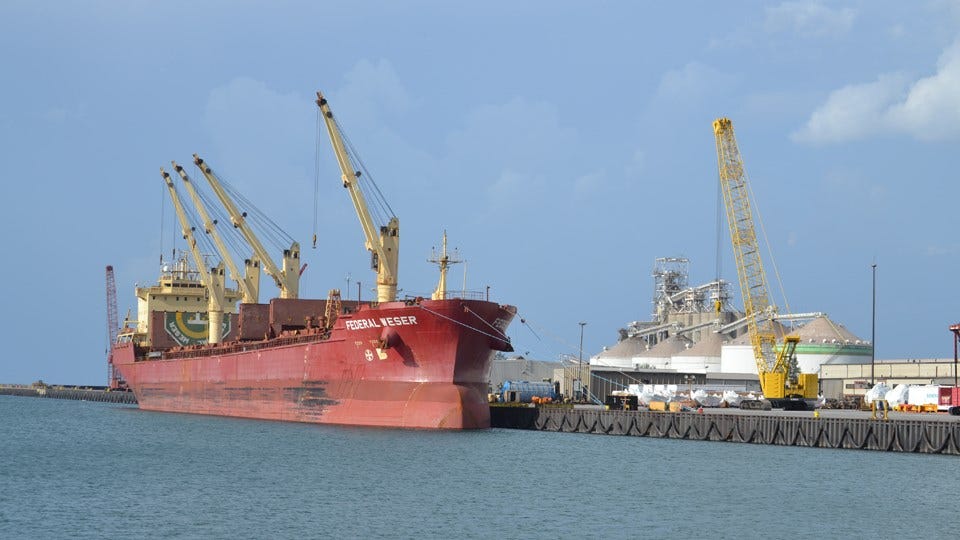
(385, 246)
(780, 387)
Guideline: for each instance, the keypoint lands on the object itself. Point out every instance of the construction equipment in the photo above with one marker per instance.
(385, 246)
(249, 282)
(287, 279)
(782, 384)
(212, 278)
(113, 328)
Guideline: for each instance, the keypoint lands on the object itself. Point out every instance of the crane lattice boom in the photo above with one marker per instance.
(113, 325)
(757, 306)
(773, 365)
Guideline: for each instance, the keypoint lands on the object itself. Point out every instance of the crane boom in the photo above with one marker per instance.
(773, 365)
(383, 244)
(113, 327)
(249, 282)
(746, 248)
(287, 279)
(212, 277)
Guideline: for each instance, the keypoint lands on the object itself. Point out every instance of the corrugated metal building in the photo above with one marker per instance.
(518, 368)
(851, 376)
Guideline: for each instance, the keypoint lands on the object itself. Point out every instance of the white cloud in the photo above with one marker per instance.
(522, 146)
(853, 111)
(941, 250)
(246, 116)
(932, 108)
(809, 19)
(65, 114)
(518, 131)
(261, 137)
(511, 186)
(636, 164)
(843, 183)
(590, 183)
(692, 82)
(371, 89)
(926, 109)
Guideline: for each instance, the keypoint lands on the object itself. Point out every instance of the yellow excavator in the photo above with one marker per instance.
(782, 384)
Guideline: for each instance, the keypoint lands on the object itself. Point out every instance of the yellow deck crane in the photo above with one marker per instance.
(384, 241)
(212, 278)
(780, 387)
(249, 282)
(287, 279)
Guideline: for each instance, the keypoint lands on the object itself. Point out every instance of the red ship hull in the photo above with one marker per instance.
(411, 365)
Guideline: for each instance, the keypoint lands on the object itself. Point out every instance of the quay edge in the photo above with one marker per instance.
(925, 436)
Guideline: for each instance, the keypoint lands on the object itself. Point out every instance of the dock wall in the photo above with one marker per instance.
(77, 393)
(895, 435)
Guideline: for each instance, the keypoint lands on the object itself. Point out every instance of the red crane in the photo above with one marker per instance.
(113, 327)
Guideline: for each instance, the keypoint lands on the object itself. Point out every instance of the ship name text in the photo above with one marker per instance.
(361, 324)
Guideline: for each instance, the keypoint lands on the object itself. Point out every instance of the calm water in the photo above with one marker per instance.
(78, 469)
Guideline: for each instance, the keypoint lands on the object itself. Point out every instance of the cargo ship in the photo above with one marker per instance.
(200, 347)
(420, 363)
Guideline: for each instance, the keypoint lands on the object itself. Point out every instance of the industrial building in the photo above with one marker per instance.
(846, 377)
(695, 337)
(518, 368)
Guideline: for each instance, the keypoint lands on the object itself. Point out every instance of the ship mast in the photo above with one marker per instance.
(287, 279)
(250, 282)
(212, 278)
(384, 244)
(443, 260)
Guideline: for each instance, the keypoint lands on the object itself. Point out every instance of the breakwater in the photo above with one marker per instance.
(82, 393)
(937, 434)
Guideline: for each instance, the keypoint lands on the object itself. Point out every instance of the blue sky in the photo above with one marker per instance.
(563, 146)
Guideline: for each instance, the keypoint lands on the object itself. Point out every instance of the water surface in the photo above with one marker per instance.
(81, 469)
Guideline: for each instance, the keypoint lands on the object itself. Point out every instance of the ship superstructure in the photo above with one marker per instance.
(174, 311)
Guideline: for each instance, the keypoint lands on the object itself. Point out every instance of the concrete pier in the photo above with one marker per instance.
(82, 393)
(902, 432)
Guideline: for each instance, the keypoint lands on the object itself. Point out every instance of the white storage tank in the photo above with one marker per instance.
(821, 340)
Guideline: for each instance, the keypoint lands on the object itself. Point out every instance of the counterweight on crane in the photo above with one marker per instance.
(382, 242)
(773, 359)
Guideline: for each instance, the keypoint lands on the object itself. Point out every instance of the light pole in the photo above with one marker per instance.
(956, 338)
(580, 362)
(873, 327)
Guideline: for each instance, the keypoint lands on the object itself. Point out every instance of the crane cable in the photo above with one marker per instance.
(553, 336)
(719, 259)
(316, 180)
(484, 321)
(763, 230)
(163, 206)
(504, 339)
